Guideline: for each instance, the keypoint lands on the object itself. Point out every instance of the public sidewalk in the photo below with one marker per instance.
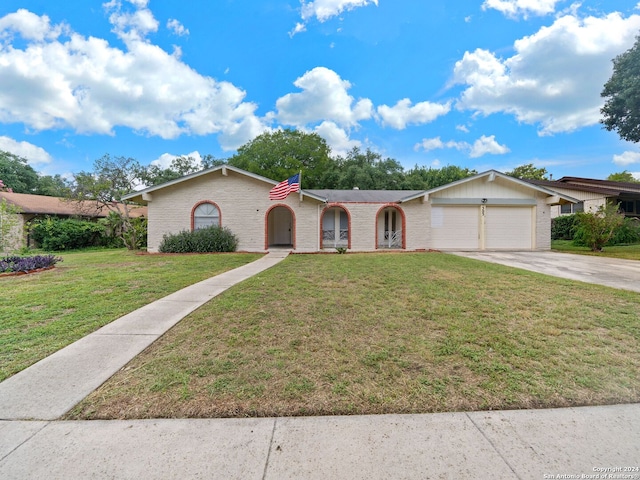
(526, 444)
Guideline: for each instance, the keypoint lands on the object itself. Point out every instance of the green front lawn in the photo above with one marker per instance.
(385, 333)
(43, 312)
(628, 252)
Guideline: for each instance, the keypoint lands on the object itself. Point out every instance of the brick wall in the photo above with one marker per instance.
(244, 207)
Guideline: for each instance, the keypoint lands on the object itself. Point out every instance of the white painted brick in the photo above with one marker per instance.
(244, 203)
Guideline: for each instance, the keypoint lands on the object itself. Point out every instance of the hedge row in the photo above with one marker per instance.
(202, 240)
(56, 234)
(567, 227)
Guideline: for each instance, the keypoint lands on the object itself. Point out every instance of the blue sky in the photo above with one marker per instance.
(475, 83)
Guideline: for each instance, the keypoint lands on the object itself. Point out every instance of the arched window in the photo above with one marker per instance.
(206, 214)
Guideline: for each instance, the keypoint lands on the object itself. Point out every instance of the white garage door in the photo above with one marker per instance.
(508, 228)
(455, 227)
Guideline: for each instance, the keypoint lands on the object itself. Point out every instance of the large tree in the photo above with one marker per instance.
(623, 176)
(622, 93)
(282, 153)
(17, 174)
(365, 170)
(110, 180)
(53, 186)
(422, 178)
(528, 172)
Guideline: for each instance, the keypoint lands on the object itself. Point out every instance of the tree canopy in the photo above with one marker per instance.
(622, 93)
(20, 177)
(422, 178)
(179, 167)
(529, 172)
(17, 174)
(282, 153)
(110, 180)
(623, 176)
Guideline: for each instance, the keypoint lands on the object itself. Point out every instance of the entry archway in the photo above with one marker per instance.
(390, 228)
(280, 227)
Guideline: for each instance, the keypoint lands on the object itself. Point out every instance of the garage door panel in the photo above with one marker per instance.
(508, 228)
(455, 227)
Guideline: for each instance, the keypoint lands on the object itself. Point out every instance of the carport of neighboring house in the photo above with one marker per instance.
(491, 212)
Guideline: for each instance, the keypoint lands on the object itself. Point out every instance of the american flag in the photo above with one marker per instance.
(284, 188)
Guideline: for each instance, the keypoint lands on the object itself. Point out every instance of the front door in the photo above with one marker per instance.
(280, 227)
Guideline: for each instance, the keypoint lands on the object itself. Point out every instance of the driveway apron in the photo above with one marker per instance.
(611, 272)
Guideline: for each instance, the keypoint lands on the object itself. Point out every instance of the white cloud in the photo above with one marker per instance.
(325, 9)
(132, 25)
(555, 77)
(29, 26)
(515, 8)
(32, 153)
(429, 144)
(487, 146)
(57, 78)
(176, 27)
(483, 146)
(436, 143)
(300, 27)
(627, 158)
(324, 97)
(337, 138)
(403, 114)
(462, 128)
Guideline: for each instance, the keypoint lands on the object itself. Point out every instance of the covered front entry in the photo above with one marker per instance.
(480, 227)
(335, 228)
(390, 228)
(280, 227)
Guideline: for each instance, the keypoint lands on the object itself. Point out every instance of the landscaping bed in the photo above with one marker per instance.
(20, 265)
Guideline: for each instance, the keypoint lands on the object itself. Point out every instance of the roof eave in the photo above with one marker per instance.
(496, 173)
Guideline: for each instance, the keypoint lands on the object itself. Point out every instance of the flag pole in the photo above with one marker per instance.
(300, 184)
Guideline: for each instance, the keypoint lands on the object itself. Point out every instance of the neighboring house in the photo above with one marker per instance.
(486, 211)
(592, 193)
(38, 206)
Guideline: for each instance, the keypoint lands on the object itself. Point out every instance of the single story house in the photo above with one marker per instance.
(31, 207)
(484, 212)
(592, 193)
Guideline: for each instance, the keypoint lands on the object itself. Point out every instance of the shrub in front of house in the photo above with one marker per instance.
(202, 240)
(27, 264)
(57, 234)
(563, 227)
(628, 232)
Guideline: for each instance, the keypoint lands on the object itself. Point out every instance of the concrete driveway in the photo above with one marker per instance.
(612, 272)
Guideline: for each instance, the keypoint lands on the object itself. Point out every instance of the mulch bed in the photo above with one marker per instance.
(13, 274)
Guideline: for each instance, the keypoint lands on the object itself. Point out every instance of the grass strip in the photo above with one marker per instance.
(628, 252)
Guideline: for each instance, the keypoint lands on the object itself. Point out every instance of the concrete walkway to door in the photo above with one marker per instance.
(611, 272)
